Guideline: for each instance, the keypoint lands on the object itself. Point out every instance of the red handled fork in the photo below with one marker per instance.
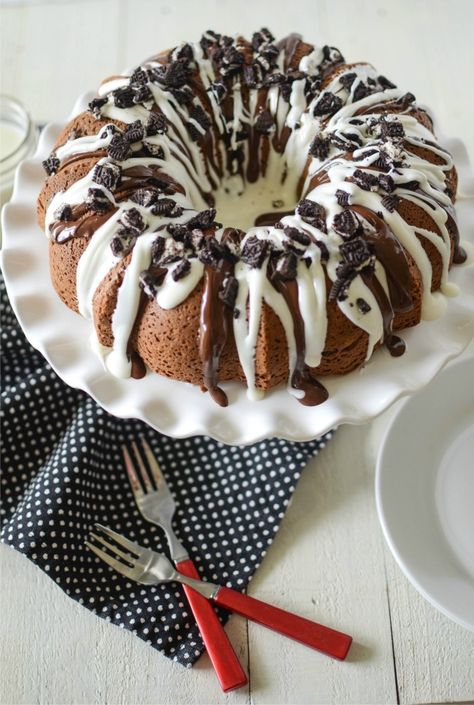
(151, 568)
(156, 504)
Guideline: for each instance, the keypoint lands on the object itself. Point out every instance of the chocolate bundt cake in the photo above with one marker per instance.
(336, 202)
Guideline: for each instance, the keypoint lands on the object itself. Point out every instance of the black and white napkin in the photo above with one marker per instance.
(63, 471)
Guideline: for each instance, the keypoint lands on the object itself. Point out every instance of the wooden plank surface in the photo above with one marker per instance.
(329, 560)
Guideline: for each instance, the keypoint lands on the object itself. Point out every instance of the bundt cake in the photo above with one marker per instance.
(336, 200)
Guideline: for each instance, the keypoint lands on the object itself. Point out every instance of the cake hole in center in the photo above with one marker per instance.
(244, 206)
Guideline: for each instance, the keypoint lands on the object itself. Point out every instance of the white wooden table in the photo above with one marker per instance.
(329, 560)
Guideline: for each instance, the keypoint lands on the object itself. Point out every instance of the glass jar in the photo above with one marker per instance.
(18, 138)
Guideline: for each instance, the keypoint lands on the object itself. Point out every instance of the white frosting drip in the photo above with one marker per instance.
(118, 361)
(172, 293)
(250, 294)
(312, 303)
(183, 161)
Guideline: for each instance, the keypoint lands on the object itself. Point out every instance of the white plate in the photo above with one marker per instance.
(425, 491)
(180, 410)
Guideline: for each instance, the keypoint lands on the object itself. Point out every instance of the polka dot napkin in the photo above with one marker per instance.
(63, 471)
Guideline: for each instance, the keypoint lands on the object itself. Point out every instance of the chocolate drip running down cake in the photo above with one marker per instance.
(335, 207)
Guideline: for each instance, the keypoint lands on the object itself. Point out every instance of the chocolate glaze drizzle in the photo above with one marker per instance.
(215, 323)
(83, 223)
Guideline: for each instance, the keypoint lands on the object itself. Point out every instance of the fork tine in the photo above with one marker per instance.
(112, 548)
(132, 475)
(112, 562)
(143, 471)
(126, 543)
(153, 463)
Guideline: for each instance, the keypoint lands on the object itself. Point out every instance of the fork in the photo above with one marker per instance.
(156, 504)
(151, 568)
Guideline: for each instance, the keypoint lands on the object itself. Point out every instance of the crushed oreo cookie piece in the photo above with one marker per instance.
(204, 219)
(194, 239)
(312, 213)
(274, 79)
(142, 94)
(95, 106)
(184, 95)
(200, 116)
(139, 76)
(323, 249)
(232, 61)
(154, 150)
(363, 306)
(390, 202)
(385, 83)
(108, 130)
(166, 207)
(266, 58)
(347, 142)
(355, 251)
(212, 252)
(327, 105)
(312, 87)
(123, 97)
(254, 251)
(150, 283)
(386, 183)
(185, 52)
(346, 223)
(181, 270)
(361, 91)
(228, 291)
(347, 79)
(132, 222)
(345, 275)
(178, 231)
(146, 196)
(286, 267)
(121, 245)
(295, 240)
(392, 129)
(342, 197)
(331, 56)
(264, 122)
(97, 200)
(365, 181)
(51, 164)
(176, 74)
(157, 124)
(135, 132)
(264, 36)
(209, 39)
(320, 147)
(390, 157)
(157, 249)
(64, 212)
(174, 251)
(410, 185)
(387, 129)
(107, 175)
(119, 148)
